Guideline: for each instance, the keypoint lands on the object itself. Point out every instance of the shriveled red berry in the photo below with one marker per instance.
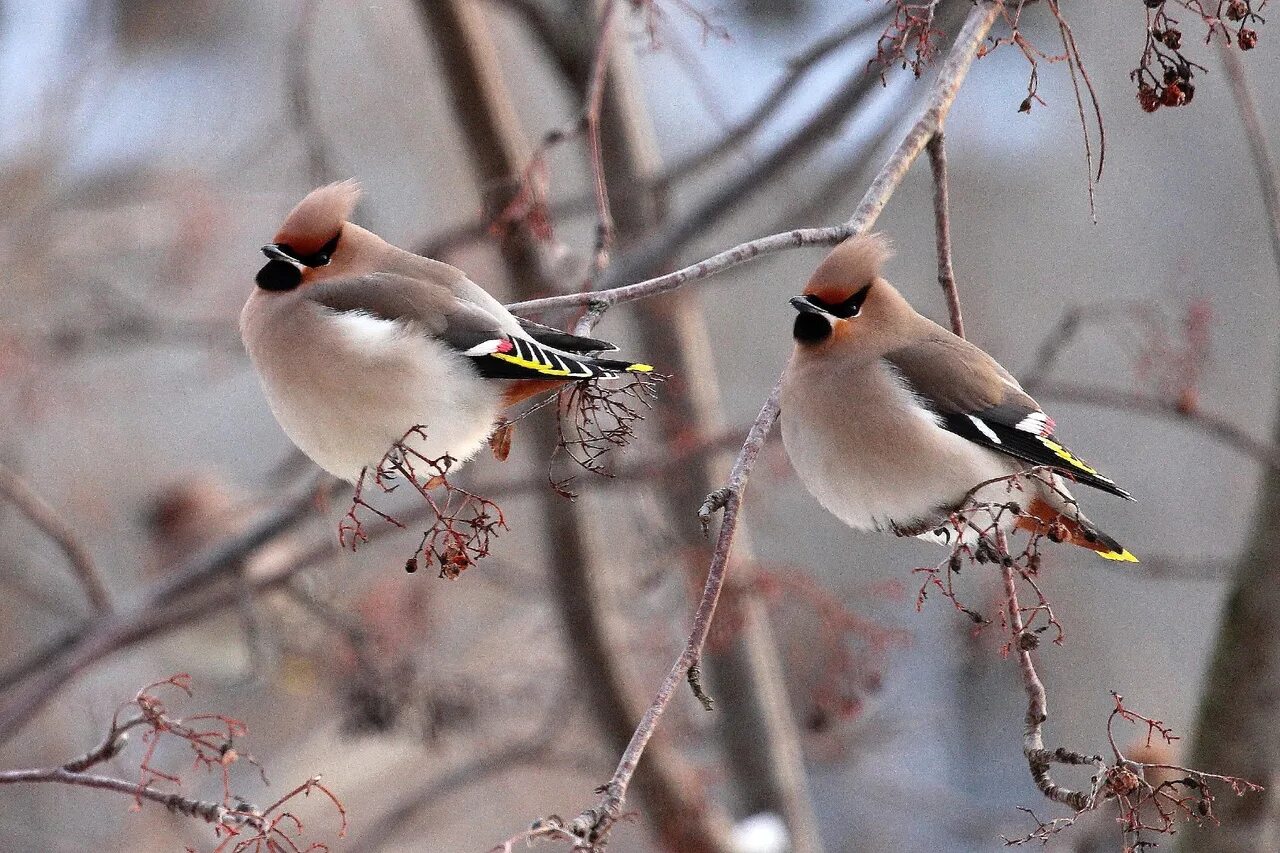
(1248, 39)
(1173, 96)
(1236, 10)
(1172, 39)
(1148, 99)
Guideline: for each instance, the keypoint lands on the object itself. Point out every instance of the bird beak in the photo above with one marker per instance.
(804, 306)
(275, 253)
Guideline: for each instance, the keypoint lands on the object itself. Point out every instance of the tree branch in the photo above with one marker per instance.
(942, 230)
(1038, 758)
(594, 825)
(1212, 424)
(47, 520)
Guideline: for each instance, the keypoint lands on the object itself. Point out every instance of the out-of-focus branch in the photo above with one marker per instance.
(47, 520)
(539, 20)
(595, 96)
(942, 230)
(187, 594)
(297, 57)
(1212, 424)
(1263, 163)
(852, 94)
(482, 105)
(594, 825)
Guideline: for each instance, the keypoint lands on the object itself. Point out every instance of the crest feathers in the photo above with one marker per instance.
(851, 266)
(319, 217)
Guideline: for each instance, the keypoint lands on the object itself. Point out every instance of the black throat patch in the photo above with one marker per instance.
(811, 328)
(279, 276)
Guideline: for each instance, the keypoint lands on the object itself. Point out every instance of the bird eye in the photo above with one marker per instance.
(279, 276)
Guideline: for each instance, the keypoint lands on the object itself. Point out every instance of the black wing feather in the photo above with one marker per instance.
(1029, 447)
(560, 340)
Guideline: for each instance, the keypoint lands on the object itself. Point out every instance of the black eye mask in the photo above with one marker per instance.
(279, 276)
(846, 309)
(319, 259)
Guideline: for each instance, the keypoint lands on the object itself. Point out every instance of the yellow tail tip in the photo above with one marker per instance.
(640, 368)
(1121, 556)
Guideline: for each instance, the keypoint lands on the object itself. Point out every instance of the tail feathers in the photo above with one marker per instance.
(1076, 529)
(613, 366)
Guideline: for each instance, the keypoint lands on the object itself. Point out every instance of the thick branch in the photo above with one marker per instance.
(14, 489)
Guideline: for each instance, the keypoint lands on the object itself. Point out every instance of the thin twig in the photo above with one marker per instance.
(942, 230)
(594, 824)
(895, 169)
(36, 510)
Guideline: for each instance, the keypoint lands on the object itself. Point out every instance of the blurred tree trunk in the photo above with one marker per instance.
(1237, 731)
(683, 818)
(761, 742)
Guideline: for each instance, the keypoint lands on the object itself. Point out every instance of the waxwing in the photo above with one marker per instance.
(893, 423)
(358, 342)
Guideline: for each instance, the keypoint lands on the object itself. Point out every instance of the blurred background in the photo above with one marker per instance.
(150, 148)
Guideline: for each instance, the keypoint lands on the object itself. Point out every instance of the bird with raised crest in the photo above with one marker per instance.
(894, 423)
(359, 345)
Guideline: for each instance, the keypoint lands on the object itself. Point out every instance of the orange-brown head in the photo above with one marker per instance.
(847, 303)
(310, 236)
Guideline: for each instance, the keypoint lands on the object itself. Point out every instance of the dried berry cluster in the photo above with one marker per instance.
(597, 416)
(910, 39)
(463, 524)
(1164, 74)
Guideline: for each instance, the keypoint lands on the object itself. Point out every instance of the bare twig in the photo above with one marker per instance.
(15, 490)
(207, 811)
(594, 824)
(938, 104)
(1038, 758)
(942, 230)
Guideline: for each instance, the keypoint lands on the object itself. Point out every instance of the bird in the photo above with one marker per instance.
(360, 345)
(894, 423)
